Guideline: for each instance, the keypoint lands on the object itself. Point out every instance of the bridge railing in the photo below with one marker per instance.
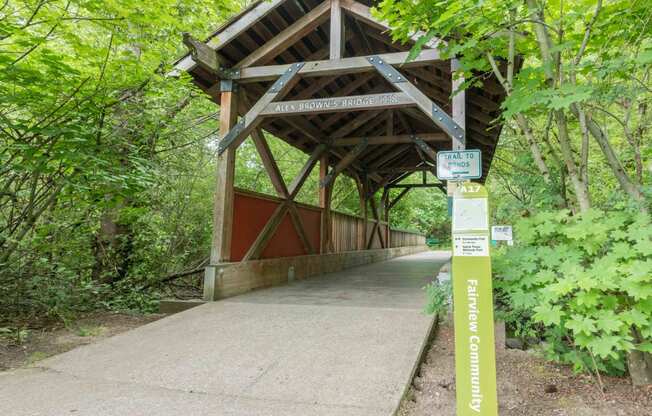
(252, 211)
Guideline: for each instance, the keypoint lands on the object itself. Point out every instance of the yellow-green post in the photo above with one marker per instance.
(475, 356)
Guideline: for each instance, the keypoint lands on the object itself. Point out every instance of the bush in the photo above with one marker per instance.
(582, 283)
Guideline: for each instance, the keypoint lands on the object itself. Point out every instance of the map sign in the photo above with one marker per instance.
(475, 361)
(501, 232)
(459, 165)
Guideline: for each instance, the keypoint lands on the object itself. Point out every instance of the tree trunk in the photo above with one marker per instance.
(626, 184)
(534, 147)
(581, 189)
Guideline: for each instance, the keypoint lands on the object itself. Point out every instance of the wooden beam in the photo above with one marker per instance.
(203, 55)
(297, 221)
(323, 171)
(222, 37)
(459, 106)
(343, 163)
(303, 174)
(403, 169)
(418, 185)
(335, 66)
(337, 30)
(388, 156)
(241, 130)
(268, 161)
(355, 123)
(338, 104)
(382, 140)
(423, 146)
(224, 193)
(287, 37)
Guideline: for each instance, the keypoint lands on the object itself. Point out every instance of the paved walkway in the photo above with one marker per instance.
(340, 344)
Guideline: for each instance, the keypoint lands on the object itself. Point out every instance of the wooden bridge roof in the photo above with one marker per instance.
(257, 45)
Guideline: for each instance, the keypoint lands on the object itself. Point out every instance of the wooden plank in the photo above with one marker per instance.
(268, 161)
(337, 30)
(287, 37)
(382, 140)
(338, 104)
(388, 156)
(363, 13)
(355, 123)
(335, 66)
(343, 164)
(229, 32)
(249, 121)
(224, 194)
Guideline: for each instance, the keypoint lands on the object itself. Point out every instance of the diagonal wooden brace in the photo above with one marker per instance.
(252, 119)
(425, 104)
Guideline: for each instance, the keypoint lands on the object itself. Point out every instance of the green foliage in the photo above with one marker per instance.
(439, 297)
(582, 283)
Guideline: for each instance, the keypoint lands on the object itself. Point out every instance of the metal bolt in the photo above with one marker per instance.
(290, 69)
(371, 59)
(399, 78)
(459, 137)
(380, 61)
(455, 127)
(435, 110)
(440, 119)
(389, 75)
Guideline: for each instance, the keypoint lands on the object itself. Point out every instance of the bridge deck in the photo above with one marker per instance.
(340, 344)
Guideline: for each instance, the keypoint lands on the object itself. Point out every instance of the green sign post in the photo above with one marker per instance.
(475, 356)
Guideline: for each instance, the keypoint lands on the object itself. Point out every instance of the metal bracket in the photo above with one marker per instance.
(285, 78)
(390, 73)
(446, 122)
(230, 136)
(228, 85)
(231, 73)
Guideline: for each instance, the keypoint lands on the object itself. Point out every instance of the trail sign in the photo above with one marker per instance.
(475, 355)
(459, 165)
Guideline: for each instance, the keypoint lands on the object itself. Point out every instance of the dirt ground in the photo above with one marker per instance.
(37, 344)
(527, 386)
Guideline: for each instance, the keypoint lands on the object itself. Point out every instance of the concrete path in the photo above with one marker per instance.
(340, 344)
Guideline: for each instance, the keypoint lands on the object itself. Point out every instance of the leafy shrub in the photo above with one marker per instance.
(583, 284)
(439, 297)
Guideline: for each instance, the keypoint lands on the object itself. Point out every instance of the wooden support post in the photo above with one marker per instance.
(384, 200)
(459, 116)
(361, 183)
(459, 105)
(344, 163)
(376, 228)
(338, 36)
(323, 171)
(223, 207)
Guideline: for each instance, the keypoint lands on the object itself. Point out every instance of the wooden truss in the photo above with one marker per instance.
(353, 144)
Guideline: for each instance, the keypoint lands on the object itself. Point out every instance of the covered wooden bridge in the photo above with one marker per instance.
(326, 77)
